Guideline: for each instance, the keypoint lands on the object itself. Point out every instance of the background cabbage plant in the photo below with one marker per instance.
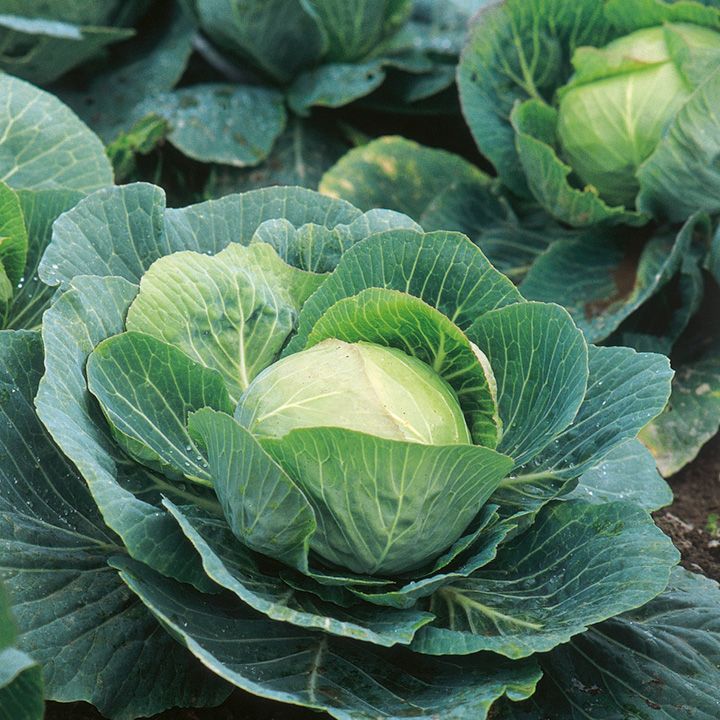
(40, 40)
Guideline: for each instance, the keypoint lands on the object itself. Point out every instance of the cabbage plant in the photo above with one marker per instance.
(598, 109)
(329, 53)
(341, 460)
(41, 40)
(49, 160)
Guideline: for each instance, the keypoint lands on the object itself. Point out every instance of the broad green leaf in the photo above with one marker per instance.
(146, 389)
(395, 319)
(318, 249)
(685, 158)
(122, 230)
(231, 124)
(43, 144)
(691, 417)
(235, 569)
(40, 49)
(399, 174)
(264, 508)
(548, 177)
(91, 310)
(520, 49)
(251, 29)
(153, 64)
(630, 15)
(301, 154)
(628, 472)
(660, 661)
(354, 27)
(511, 243)
(472, 551)
(75, 616)
(236, 218)
(13, 235)
(625, 390)
(577, 565)
(231, 312)
(539, 359)
(334, 85)
(444, 269)
(117, 231)
(384, 506)
(625, 273)
(32, 296)
(21, 686)
(351, 681)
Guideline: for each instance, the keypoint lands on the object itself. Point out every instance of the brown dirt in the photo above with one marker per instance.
(693, 520)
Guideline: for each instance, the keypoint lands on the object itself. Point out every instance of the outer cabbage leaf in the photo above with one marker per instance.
(577, 565)
(43, 145)
(660, 661)
(121, 231)
(399, 174)
(232, 124)
(520, 49)
(548, 177)
(628, 472)
(444, 269)
(603, 277)
(349, 680)
(75, 616)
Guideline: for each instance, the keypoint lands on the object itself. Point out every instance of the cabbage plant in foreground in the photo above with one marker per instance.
(342, 461)
(599, 109)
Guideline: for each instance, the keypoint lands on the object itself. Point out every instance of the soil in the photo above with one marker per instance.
(692, 521)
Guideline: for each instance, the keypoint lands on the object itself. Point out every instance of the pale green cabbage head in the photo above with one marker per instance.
(621, 100)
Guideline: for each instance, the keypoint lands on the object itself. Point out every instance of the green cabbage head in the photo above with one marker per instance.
(622, 99)
(599, 110)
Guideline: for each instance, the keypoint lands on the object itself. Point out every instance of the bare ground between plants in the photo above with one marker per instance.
(692, 521)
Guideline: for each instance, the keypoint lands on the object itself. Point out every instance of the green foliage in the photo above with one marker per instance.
(326, 522)
(355, 450)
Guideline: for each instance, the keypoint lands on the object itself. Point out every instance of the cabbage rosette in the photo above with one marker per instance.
(329, 53)
(598, 109)
(334, 449)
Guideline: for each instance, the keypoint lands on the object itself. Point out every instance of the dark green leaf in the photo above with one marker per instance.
(579, 564)
(349, 680)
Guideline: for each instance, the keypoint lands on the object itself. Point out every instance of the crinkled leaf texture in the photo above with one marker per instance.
(48, 161)
(75, 616)
(228, 534)
(660, 661)
(115, 235)
(351, 681)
